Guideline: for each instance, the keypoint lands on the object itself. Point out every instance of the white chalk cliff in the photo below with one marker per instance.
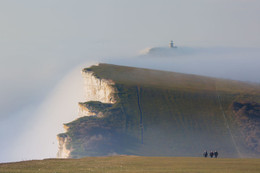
(95, 89)
(63, 152)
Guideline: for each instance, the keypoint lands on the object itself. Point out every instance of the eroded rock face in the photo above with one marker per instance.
(63, 152)
(247, 115)
(84, 111)
(96, 89)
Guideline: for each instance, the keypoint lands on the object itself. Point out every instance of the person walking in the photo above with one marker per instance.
(205, 154)
(216, 154)
(211, 154)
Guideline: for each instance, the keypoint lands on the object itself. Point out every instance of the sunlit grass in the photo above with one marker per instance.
(133, 164)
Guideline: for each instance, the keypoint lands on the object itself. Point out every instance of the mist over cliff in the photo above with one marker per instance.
(30, 134)
(43, 41)
(138, 111)
(34, 116)
(230, 63)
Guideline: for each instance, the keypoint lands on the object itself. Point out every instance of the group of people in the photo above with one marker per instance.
(211, 154)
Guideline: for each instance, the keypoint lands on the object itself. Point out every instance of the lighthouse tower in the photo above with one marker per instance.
(171, 44)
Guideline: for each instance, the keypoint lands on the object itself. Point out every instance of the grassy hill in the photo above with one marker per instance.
(134, 164)
(162, 113)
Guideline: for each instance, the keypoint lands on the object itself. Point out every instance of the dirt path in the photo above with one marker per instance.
(227, 124)
(141, 113)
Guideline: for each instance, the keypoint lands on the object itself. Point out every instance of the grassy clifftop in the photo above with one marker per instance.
(134, 164)
(162, 113)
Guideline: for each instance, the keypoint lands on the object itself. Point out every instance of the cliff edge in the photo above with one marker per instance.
(147, 112)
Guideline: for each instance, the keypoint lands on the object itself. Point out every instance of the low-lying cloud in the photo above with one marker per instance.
(29, 131)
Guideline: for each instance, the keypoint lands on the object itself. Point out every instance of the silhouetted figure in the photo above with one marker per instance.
(211, 154)
(216, 154)
(205, 154)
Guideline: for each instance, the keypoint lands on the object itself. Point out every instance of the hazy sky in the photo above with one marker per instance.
(128, 24)
(41, 41)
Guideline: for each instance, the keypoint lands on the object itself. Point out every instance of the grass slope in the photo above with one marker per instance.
(134, 164)
(169, 114)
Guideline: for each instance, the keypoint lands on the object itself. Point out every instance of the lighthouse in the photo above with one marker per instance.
(171, 44)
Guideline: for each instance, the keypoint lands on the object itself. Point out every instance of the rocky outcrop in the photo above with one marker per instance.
(93, 108)
(247, 116)
(96, 91)
(63, 151)
(85, 111)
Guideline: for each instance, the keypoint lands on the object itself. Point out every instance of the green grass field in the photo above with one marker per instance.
(133, 164)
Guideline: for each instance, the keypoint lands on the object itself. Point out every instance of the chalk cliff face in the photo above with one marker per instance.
(133, 111)
(95, 89)
(84, 111)
(63, 152)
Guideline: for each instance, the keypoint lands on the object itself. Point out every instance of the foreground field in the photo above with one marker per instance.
(133, 164)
